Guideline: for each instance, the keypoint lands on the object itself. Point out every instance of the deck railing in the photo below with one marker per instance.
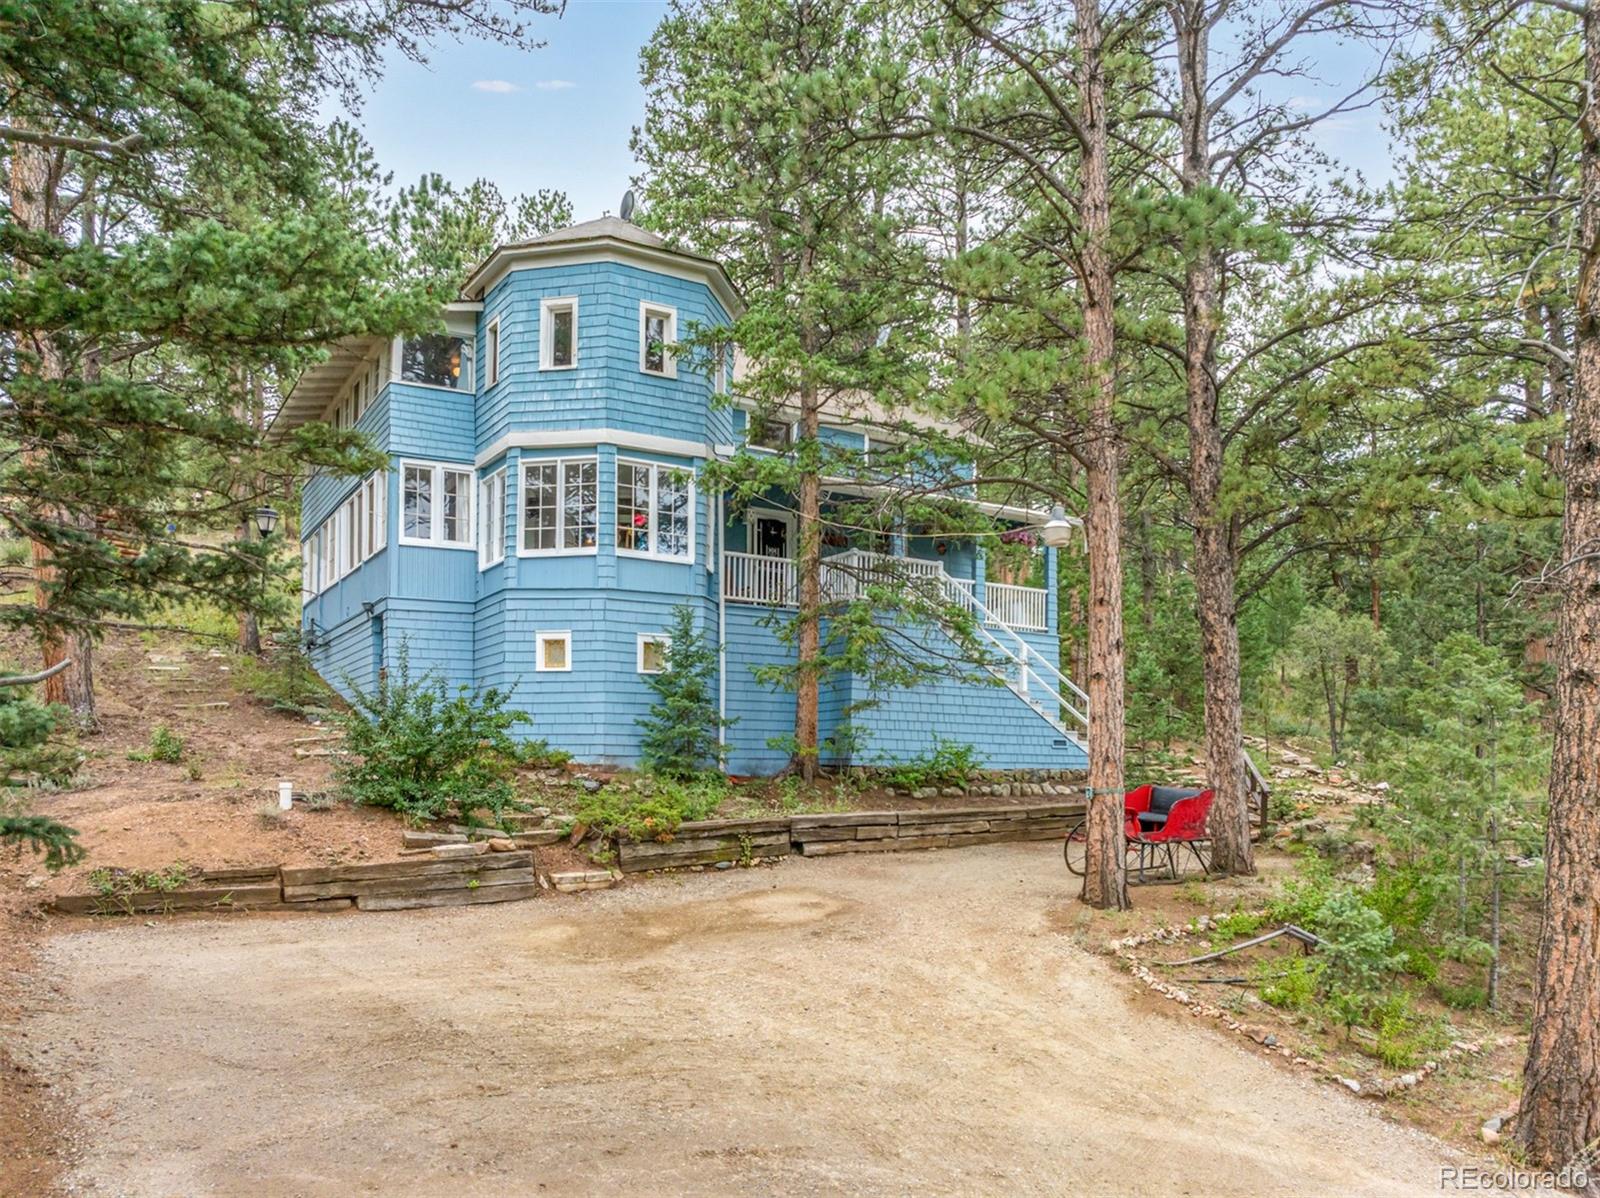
(771, 581)
(1020, 607)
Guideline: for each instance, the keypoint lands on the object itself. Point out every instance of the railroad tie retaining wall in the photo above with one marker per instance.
(708, 842)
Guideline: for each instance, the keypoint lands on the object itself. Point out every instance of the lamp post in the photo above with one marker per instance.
(1056, 531)
(265, 520)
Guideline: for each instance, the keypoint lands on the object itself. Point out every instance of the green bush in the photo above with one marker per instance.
(1292, 986)
(950, 763)
(419, 750)
(284, 681)
(165, 745)
(652, 808)
(538, 755)
(682, 732)
(30, 757)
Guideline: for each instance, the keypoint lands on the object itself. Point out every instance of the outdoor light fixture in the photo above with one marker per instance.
(266, 520)
(1056, 531)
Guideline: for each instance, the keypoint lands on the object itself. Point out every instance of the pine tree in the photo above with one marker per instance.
(683, 731)
(174, 223)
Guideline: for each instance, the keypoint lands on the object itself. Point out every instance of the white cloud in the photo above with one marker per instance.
(498, 87)
(554, 85)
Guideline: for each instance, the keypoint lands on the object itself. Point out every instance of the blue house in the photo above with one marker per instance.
(541, 519)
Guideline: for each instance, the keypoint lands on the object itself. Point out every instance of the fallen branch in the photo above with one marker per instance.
(1309, 939)
(30, 679)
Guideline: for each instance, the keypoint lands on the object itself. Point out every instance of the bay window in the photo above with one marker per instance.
(492, 505)
(560, 505)
(435, 505)
(655, 510)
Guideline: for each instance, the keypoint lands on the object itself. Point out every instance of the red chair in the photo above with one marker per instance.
(1185, 826)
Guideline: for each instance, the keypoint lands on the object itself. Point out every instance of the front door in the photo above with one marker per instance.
(772, 536)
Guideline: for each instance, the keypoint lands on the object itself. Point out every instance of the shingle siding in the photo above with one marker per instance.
(477, 626)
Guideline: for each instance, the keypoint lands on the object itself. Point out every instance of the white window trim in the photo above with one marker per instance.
(491, 353)
(655, 469)
(669, 361)
(539, 639)
(770, 513)
(434, 539)
(561, 507)
(645, 638)
(547, 342)
(496, 479)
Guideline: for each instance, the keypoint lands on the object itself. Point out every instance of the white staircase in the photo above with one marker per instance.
(1027, 673)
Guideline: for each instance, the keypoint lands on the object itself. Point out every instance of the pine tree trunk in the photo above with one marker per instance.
(1560, 1112)
(1105, 882)
(808, 565)
(1216, 592)
(74, 686)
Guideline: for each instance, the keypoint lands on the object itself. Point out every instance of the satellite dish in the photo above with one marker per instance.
(627, 204)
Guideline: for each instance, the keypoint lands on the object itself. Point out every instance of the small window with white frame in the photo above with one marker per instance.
(654, 648)
(655, 510)
(658, 329)
(436, 505)
(492, 509)
(560, 506)
(766, 430)
(554, 652)
(558, 333)
(491, 353)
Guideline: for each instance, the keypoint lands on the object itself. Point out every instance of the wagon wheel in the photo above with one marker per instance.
(1076, 847)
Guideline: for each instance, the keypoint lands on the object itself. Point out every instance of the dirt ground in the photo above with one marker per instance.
(908, 1023)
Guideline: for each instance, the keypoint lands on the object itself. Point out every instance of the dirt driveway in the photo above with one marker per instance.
(916, 1023)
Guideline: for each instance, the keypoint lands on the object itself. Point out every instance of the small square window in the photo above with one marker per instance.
(555, 651)
(653, 649)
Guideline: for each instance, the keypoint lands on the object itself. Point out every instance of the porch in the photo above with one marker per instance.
(771, 581)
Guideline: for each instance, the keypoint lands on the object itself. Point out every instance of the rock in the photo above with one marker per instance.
(1350, 1084)
(724, 865)
(590, 786)
(502, 844)
(1489, 1133)
(33, 883)
(1271, 1041)
(925, 792)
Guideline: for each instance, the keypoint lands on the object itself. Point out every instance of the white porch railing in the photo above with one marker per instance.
(1020, 607)
(1008, 612)
(750, 578)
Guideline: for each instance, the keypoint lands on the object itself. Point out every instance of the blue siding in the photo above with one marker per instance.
(477, 626)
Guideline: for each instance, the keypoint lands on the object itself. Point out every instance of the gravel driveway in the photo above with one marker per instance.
(860, 1025)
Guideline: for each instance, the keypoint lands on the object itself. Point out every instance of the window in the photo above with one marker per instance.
(375, 495)
(560, 506)
(437, 360)
(350, 523)
(308, 569)
(555, 651)
(558, 334)
(654, 510)
(492, 505)
(658, 329)
(417, 503)
(653, 649)
(327, 560)
(491, 353)
(436, 505)
(763, 431)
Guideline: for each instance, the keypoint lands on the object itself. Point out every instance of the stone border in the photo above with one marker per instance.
(1378, 1087)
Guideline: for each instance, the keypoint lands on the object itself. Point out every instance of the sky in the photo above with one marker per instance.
(557, 117)
(561, 116)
